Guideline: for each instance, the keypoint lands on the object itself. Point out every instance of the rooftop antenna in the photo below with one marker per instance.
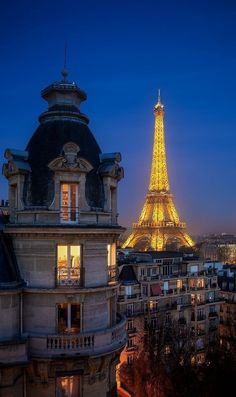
(159, 95)
(64, 71)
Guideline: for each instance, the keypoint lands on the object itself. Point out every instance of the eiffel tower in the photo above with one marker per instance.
(159, 222)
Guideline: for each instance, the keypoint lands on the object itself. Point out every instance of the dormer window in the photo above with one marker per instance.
(69, 202)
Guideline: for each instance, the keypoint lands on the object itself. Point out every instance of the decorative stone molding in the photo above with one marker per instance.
(70, 160)
(17, 163)
(110, 166)
(42, 370)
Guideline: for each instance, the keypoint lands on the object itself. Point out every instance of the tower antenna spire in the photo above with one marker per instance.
(159, 95)
(64, 71)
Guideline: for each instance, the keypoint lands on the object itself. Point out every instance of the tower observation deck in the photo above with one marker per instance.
(159, 222)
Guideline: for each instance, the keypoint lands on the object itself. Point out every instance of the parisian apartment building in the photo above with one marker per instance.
(60, 333)
(177, 288)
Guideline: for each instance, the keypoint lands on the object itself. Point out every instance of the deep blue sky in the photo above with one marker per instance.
(120, 52)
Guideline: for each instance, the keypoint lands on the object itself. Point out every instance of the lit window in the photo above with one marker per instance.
(68, 386)
(69, 202)
(111, 262)
(68, 264)
(128, 290)
(179, 284)
(200, 283)
(153, 306)
(111, 254)
(69, 318)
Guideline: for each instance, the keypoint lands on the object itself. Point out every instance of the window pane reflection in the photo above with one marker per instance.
(68, 264)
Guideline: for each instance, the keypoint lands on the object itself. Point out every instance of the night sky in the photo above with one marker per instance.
(120, 53)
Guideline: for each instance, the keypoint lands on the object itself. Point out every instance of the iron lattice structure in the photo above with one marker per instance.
(159, 222)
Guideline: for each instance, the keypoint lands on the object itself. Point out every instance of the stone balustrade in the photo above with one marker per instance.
(86, 343)
(41, 216)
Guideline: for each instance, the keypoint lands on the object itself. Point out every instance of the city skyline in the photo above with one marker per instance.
(187, 51)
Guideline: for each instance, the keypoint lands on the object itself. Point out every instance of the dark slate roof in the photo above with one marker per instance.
(45, 145)
(9, 272)
(165, 254)
(127, 275)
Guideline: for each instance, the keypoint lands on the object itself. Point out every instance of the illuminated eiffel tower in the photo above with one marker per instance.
(159, 222)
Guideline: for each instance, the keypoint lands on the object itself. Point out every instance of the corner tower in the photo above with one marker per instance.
(63, 225)
(159, 222)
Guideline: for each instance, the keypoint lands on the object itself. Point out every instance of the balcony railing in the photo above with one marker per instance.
(86, 343)
(123, 298)
(68, 277)
(112, 273)
(69, 214)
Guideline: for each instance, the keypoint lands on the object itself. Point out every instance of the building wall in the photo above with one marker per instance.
(10, 314)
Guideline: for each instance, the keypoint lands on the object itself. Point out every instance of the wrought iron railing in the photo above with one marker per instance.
(69, 214)
(68, 276)
(112, 273)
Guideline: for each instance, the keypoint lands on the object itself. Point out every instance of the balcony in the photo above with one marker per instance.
(68, 277)
(112, 273)
(123, 298)
(85, 343)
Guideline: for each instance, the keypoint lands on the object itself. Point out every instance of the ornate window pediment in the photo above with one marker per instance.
(70, 160)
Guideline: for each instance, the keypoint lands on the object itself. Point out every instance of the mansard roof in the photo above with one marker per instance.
(46, 145)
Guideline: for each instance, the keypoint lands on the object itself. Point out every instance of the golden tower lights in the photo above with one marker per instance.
(159, 221)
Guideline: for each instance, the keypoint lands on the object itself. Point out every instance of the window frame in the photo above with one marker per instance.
(69, 327)
(69, 280)
(68, 209)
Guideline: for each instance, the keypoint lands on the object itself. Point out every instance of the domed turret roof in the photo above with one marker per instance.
(61, 123)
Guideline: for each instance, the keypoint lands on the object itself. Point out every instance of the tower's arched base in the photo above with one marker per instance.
(157, 238)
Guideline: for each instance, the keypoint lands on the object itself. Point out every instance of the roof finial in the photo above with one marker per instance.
(64, 71)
